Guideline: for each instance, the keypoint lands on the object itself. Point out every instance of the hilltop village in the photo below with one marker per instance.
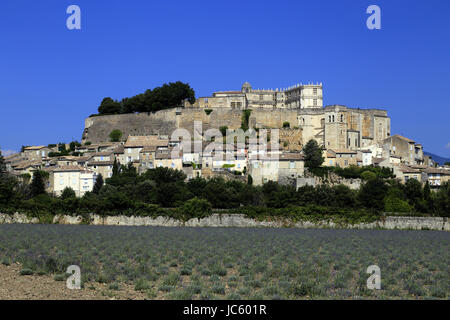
(348, 137)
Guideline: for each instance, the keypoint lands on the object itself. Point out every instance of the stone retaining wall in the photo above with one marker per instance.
(237, 220)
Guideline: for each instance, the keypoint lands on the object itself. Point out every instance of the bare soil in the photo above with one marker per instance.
(14, 286)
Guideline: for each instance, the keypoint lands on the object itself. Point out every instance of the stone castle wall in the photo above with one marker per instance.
(164, 122)
(365, 124)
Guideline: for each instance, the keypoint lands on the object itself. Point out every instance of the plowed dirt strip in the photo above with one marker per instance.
(13, 286)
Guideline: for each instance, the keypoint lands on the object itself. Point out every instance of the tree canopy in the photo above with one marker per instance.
(313, 154)
(167, 96)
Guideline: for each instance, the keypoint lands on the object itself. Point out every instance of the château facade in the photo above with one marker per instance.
(333, 127)
(299, 96)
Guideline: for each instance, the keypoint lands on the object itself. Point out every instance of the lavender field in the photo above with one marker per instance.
(237, 263)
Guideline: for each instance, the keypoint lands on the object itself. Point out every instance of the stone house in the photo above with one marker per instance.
(436, 177)
(36, 153)
(409, 152)
(289, 166)
(75, 177)
(105, 168)
(135, 144)
(344, 157)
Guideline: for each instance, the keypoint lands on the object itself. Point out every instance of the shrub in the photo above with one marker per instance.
(26, 272)
(368, 175)
(393, 204)
(67, 193)
(115, 135)
(218, 289)
(141, 285)
(196, 208)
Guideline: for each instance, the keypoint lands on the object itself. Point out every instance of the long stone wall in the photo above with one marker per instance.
(238, 220)
(164, 122)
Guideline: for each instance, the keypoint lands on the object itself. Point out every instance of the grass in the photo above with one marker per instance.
(236, 263)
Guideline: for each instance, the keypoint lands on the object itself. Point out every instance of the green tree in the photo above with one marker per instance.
(68, 193)
(7, 183)
(372, 194)
(2, 165)
(116, 168)
(115, 135)
(223, 130)
(286, 124)
(37, 186)
(196, 208)
(98, 184)
(313, 154)
(368, 175)
(245, 119)
(145, 191)
(73, 145)
(413, 192)
(109, 106)
(442, 200)
(249, 180)
(427, 191)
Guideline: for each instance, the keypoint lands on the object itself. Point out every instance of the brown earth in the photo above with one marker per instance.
(14, 286)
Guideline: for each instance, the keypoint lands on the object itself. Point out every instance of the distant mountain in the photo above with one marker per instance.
(436, 158)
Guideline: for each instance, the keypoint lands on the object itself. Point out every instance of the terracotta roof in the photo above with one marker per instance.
(84, 158)
(148, 149)
(119, 149)
(436, 170)
(101, 163)
(25, 164)
(343, 151)
(406, 169)
(378, 160)
(34, 148)
(66, 168)
(403, 138)
(290, 156)
(12, 156)
(103, 154)
(331, 154)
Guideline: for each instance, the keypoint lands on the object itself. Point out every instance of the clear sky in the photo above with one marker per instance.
(52, 78)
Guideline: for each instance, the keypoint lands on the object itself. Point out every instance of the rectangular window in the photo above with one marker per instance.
(315, 91)
(291, 165)
(315, 102)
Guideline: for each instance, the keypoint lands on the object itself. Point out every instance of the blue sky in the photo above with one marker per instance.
(52, 78)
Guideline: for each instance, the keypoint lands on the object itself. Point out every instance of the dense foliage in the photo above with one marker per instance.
(313, 155)
(236, 263)
(167, 96)
(164, 192)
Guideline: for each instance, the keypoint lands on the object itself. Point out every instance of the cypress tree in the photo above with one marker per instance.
(98, 184)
